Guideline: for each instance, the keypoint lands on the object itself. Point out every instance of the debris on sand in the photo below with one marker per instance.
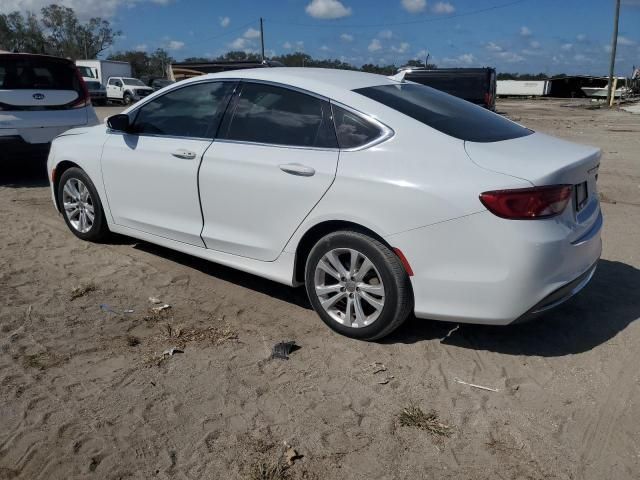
(213, 335)
(154, 300)
(133, 341)
(106, 308)
(291, 454)
(161, 308)
(378, 367)
(386, 380)
(481, 387)
(415, 417)
(81, 290)
(282, 350)
(171, 352)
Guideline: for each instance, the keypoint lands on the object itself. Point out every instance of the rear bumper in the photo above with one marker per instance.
(486, 270)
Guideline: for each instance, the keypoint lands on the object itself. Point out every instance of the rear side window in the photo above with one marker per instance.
(192, 111)
(353, 131)
(279, 116)
(27, 72)
(448, 114)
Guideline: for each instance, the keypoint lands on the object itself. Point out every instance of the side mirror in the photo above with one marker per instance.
(119, 123)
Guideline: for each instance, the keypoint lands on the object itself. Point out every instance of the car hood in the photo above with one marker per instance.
(541, 159)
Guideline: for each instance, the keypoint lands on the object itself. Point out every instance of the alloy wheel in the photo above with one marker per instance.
(78, 205)
(349, 287)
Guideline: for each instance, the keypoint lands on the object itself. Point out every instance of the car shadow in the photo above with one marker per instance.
(602, 310)
(295, 296)
(27, 172)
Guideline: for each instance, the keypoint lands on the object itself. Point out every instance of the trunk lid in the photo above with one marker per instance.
(545, 160)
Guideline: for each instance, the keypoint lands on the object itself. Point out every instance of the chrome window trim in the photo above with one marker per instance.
(386, 132)
(153, 135)
(275, 145)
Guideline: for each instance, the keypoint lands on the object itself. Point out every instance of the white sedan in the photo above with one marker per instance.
(382, 196)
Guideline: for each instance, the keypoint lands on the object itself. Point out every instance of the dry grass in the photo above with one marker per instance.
(82, 290)
(415, 417)
(269, 471)
(212, 335)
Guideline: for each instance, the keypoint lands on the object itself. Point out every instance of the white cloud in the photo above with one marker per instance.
(464, 59)
(510, 57)
(287, 45)
(625, 41)
(83, 8)
(327, 9)
(224, 22)
(579, 57)
(345, 37)
(386, 34)
(443, 8)
(300, 45)
(251, 34)
(566, 46)
(525, 31)
(581, 37)
(239, 44)
(493, 47)
(324, 48)
(143, 47)
(414, 6)
(175, 45)
(375, 45)
(402, 48)
(534, 44)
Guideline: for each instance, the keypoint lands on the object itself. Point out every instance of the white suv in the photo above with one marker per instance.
(40, 97)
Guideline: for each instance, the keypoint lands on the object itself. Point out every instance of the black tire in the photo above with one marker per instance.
(127, 99)
(99, 229)
(398, 295)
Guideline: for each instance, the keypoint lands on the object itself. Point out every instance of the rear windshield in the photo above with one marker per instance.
(450, 115)
(25, 72)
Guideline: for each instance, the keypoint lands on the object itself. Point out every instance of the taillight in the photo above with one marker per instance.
(84, 99)
(527, 203)
(487, 99)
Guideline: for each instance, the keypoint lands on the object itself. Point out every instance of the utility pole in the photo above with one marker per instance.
(262, 38)
(614, 45)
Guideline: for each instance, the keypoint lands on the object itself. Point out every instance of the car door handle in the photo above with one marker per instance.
(186, 154)
(297, 169)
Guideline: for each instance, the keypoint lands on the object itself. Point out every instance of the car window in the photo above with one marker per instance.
(112, 81)
(353, 131)
(133, 82)
(27, 72)
(192, 111)
(280, 116)
(450, 115)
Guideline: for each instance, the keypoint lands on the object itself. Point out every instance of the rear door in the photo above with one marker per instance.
(150, 174)
(275, 156)
(40, 97)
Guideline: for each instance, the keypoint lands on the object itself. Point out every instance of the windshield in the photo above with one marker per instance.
(134, 82)
(86, 72)
(450, 115)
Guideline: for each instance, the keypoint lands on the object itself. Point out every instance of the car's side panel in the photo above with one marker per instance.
(150, 188)
(250, 205)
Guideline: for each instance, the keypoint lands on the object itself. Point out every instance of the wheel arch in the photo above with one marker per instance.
(315, 233)
(60, 168)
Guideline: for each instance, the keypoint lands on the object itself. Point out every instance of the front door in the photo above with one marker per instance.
(151, 173)
(275, 157)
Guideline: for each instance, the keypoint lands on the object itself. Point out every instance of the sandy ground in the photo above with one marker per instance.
(84, 394)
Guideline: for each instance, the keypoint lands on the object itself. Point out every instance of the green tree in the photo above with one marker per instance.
(22, 33)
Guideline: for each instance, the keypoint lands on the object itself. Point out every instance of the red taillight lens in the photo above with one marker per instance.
(487, 99)
(527, 203)
(83, 99)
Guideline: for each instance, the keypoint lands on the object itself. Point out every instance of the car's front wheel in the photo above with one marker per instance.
(81, 206)
(127, 99)
(358, 285)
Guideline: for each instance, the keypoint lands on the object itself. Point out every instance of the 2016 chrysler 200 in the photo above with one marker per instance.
(384, 197)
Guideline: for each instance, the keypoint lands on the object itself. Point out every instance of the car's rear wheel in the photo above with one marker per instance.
(81, 206)
(358, 285)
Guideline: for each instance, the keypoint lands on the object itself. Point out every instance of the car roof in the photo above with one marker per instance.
(330, 83)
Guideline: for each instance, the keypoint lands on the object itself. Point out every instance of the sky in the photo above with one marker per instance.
(526, 36)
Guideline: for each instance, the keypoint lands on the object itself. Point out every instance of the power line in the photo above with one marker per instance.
(408, 22)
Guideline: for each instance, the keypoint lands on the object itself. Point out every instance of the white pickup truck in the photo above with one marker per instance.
(126, 90)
